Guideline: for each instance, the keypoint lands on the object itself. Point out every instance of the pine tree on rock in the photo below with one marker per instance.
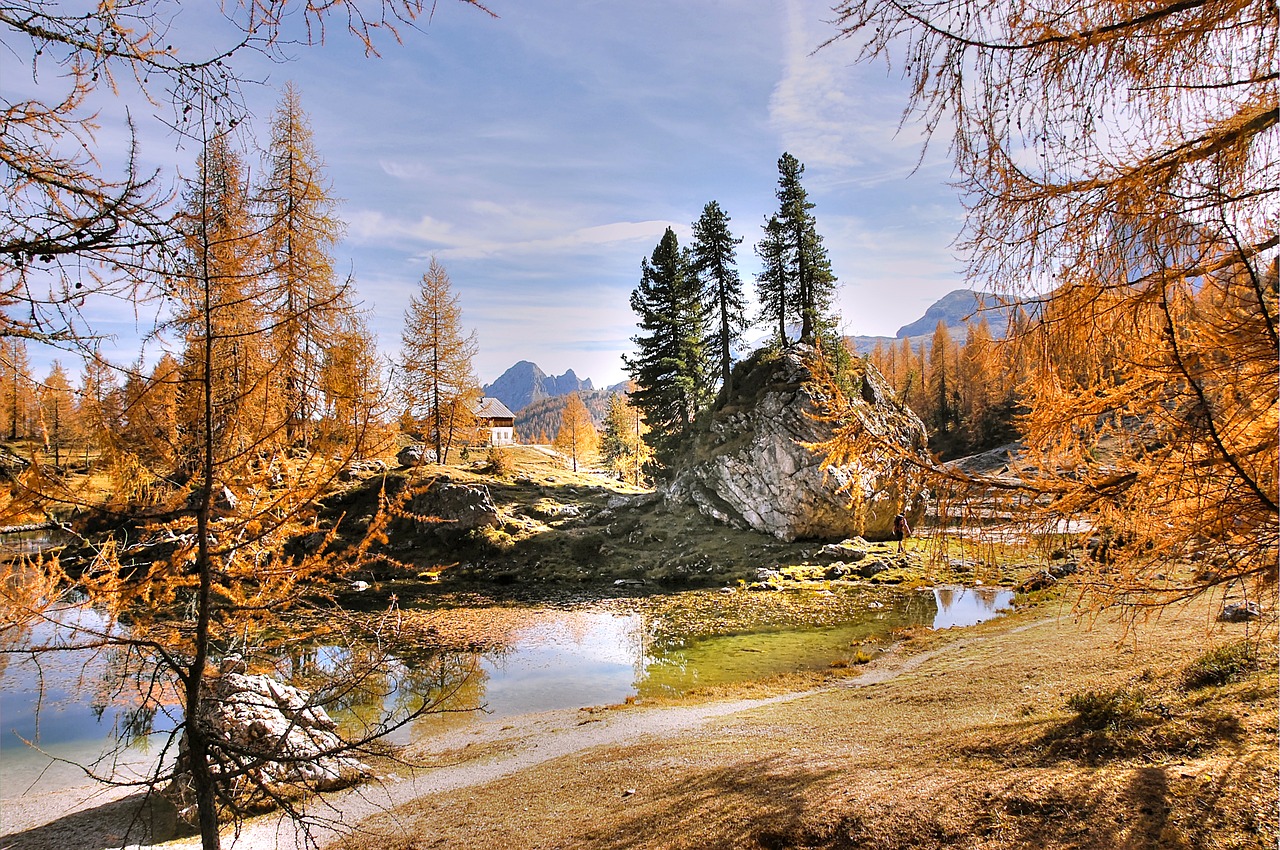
(773, 288)
(669, 367)
(797, 280)
(715, 262)
(435, 357)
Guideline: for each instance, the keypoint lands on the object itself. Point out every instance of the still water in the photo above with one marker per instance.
(69, 706)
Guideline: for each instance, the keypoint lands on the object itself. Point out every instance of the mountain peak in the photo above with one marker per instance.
(525, 383)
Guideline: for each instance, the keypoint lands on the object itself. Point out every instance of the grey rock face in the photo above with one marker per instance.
(461, 506)
(752, 468)
(1240, 612)
(274, 741)
(525, 383)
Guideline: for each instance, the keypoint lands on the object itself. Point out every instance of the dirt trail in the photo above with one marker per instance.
(958, 738)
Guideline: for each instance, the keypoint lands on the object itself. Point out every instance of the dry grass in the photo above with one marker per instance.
(971, 743)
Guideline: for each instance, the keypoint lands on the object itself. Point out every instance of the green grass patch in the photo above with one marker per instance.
(1221, 665)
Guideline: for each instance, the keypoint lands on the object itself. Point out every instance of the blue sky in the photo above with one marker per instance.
(541, 153)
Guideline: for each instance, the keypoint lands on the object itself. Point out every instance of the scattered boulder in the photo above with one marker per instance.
(624, 501)
(1239, 612)
(752, 466)
(462, 507)
(360, 468)
(1064, 569)
(271, 740)
(1037, 581)
(224, 500)
(415, 455)
(854, 549)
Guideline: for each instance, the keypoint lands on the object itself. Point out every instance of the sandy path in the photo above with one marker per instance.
(93, 818)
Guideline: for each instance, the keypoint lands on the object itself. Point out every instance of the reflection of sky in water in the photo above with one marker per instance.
(968, 606)
(67, 725)
(571, 659)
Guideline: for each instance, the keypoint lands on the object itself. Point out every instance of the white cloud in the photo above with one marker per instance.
(427, 236)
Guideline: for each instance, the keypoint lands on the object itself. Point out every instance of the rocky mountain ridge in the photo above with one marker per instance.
(526, 383)
(956, 310)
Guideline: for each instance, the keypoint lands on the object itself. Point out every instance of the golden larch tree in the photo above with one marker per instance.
(435, 359)
(1122, 166)
(577, 437)
(302, 297)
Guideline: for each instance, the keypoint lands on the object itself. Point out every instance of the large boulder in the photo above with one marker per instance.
(415, 455)
(270, 740)
(448, 507)
(751, 464)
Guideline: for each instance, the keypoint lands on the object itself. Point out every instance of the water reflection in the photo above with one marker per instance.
(968, 606)
(78, 706)
(19, 544)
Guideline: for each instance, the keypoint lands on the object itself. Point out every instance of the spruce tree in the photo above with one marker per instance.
(669, 367)
(715, 262)
(773, 288)
(803, 256)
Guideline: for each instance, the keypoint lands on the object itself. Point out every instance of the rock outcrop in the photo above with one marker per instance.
(447, 507)
(750, 466)
(273, 741)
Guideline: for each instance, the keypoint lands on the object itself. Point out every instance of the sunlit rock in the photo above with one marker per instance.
(749, 466)
(269, 739)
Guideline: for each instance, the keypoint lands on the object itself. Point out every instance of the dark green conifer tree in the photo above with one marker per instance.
(808, 268)
(669, 367)
(715, 262)
(773, 287)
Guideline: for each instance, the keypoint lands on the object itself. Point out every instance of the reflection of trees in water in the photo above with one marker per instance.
(132, 684)
(369, 690)
(989, 597)
(125, 685)
(919, 609)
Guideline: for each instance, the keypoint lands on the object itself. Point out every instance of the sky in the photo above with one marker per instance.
(540, 153)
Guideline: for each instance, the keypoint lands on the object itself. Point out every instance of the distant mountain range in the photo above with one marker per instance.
(525, 383)
(956, 310)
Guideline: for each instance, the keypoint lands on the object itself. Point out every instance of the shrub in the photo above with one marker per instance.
(500, 463)
(1222, 664)
(1107, 710)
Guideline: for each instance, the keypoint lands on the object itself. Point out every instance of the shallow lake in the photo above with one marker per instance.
(555, 658)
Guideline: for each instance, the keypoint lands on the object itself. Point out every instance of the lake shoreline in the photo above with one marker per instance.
(586, 778)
